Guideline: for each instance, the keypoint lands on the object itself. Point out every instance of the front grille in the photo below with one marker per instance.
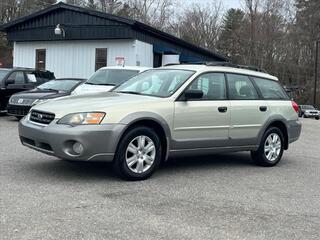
(314, 112)
(41, 117)
(18, 110)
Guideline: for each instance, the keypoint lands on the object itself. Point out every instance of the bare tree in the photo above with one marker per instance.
(156, 13)
(200, 24)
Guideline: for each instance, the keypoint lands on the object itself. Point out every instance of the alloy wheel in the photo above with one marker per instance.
(140, 154)
(272, 147)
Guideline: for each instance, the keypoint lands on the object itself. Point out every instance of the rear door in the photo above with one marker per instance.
(205, 122)
(248, 110)
(276, 97)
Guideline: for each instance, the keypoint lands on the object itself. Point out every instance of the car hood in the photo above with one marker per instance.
(88, 88)
(93, 102)
(40, 94)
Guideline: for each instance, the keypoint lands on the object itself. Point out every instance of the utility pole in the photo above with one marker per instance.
(316, 73)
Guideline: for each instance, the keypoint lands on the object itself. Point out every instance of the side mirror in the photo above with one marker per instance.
(9, 81)
(193, 94)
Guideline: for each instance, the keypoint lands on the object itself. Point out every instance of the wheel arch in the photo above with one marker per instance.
(280, 123)
(155, 122)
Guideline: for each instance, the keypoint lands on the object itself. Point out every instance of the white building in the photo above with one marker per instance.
(73, 42)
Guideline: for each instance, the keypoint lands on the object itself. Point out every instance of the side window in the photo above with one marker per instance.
(17, 77)
(241, 88)
(31, 78)
(40, 58)
(270, 89)
(212, 85)
(101, 58)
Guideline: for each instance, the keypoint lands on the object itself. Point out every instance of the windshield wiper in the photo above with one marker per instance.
(48, 89)
(130, 92)
(104, 84)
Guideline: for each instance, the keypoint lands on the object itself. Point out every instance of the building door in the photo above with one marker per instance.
(157, 59)
(101, 58)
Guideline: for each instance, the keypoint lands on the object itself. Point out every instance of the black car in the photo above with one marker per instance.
(20, 79)
(20, 103)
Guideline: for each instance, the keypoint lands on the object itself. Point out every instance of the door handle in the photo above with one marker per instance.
(263, 108)
(222, 109)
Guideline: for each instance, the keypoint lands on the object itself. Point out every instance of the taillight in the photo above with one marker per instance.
(295, 106)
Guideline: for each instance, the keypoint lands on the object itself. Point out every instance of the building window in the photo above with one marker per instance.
(40, 59)
(101, 58)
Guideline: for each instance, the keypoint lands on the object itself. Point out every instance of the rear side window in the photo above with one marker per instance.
(270, 89)
(241, 88)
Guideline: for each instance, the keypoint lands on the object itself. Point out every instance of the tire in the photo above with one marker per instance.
(304, 116)
(269, 158)
(18, 118)
(143, 161)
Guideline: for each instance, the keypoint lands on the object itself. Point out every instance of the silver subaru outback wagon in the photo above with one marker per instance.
(170, 111)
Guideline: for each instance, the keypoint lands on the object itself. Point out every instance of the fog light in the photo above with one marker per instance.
(77, 148)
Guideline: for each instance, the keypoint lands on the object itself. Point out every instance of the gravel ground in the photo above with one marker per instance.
(216, 197)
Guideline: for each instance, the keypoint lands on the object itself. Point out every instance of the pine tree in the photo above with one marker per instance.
(229, 41)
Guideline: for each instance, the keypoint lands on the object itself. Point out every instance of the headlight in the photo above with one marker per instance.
(82, 118)
(37, 101)
(11, 100)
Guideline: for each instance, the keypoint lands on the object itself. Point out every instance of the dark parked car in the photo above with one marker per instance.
(20, 103)
(20, 79)
(308, 111)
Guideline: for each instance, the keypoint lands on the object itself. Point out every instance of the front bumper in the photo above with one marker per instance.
(311, 115)
(294, 130)
(99, 141)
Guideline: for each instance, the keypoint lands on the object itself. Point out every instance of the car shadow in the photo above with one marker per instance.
(84, 171)
(70, 170)
(227, 160)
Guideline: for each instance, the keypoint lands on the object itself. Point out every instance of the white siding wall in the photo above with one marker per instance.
(77, 58)
(144, 54)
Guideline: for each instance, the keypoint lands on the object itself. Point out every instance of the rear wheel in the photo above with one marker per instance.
(138, 154)
(271, 148)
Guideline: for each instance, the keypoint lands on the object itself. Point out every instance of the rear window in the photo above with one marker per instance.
(270, 89)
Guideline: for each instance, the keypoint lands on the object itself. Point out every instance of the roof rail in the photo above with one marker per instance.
(184, 63)
(229, 64)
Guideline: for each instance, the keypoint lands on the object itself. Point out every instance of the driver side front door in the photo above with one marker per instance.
(205, 122)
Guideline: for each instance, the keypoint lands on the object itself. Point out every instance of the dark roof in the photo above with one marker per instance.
(135, 25)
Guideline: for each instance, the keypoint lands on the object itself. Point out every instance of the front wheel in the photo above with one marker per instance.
(271, 148)
(138, 154)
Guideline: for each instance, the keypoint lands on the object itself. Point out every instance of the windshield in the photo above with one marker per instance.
(59, 85)
(3, 73)
(156, 82)
(308, 107)
(113, 77)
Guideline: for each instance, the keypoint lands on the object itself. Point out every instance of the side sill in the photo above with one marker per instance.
(207, 151)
